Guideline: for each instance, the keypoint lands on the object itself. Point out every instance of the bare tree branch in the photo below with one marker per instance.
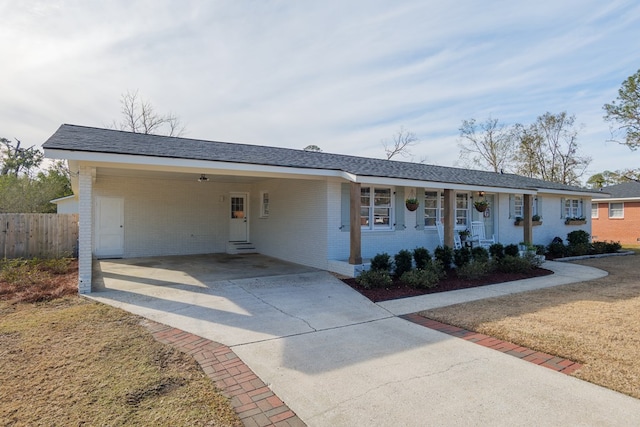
(399, 144)
(139, 116)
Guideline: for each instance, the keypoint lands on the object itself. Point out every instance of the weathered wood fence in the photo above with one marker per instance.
(38, 235)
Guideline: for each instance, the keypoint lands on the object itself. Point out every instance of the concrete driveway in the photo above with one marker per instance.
(337, 359)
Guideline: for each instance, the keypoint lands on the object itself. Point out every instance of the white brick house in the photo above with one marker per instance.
(149, 195)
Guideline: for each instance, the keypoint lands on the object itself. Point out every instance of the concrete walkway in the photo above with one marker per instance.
(336, 359)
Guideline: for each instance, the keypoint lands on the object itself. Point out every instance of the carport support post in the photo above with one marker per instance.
(85, 240)
(527, 223)
(355, 233)
(449, 217)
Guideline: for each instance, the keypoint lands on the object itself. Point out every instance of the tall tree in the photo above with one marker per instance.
(607, 178)
(400, 144)
(488, 144)
(15, 160)
(624, 113)
(548, 149)
(139, 116)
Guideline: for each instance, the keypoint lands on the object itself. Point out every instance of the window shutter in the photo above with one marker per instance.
(582, 208)
(345, 209)
(539, 206)
(399, 208)
(420, 211)
(562, 207)
(512, 206)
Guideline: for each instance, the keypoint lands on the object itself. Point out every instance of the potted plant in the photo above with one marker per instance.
(412, 204)
(464, 234)
(578, 220)
(481, 205)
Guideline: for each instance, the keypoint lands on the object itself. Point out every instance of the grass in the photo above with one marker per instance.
(595, 323)
(70, 361)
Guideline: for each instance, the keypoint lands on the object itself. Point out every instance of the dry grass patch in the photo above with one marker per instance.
(71, 361)
(595, 323)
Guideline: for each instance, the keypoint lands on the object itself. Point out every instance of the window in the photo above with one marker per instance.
(433, 202)
(375, 208)
(518, 206)
(434, 209)
(572, 208)
(462, 209)
(264, 204)
(594, 210)
(616, 210)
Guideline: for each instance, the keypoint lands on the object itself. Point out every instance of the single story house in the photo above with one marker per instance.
(617, 217)
(149, 195)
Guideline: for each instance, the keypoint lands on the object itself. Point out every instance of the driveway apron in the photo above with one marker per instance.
(336, 359)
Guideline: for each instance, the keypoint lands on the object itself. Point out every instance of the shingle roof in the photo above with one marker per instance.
(96, 140)
(626, 190)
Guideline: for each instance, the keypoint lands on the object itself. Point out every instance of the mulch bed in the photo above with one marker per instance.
(450, 283)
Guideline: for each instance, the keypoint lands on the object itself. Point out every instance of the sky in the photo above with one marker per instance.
(342, 75)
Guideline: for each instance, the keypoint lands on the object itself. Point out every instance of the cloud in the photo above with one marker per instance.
(340, 75)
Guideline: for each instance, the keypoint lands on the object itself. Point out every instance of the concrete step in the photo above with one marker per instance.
(236, 248)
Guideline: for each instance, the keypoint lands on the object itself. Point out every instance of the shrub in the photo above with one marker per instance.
(422, 257)
(497, 251)
(374, 279)
(480, 254)
(514, 264)
(578, 237)
(461, 256)
(403, 262)
(444, 255)
(511, 250)
(473, 270)
(556, 248)
(613, 247)
(424, 278)
(540, 249)
(381, 262)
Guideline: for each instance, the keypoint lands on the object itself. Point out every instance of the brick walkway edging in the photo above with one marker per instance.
(253, 401)
(543, 359)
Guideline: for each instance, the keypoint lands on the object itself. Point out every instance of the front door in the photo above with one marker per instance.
(239, 225)
(488, 216)
(109, 227)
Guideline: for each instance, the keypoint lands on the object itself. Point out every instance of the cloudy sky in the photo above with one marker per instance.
(342, 75)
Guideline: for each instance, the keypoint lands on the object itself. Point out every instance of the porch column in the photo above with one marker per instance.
(449, 217)
(527, 212)
(355, 233)
(85, 235)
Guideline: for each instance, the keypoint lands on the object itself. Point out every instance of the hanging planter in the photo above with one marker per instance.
(412, 204)
(481, 205)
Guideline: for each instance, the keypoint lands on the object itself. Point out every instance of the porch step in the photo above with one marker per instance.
(236, 248)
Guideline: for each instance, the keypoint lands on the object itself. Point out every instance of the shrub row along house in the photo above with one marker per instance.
(148, 195)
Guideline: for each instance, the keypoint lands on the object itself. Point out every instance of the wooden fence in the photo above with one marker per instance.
(38, 235)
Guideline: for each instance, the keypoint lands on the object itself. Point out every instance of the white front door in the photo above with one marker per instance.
(239, 218)
(109, 227)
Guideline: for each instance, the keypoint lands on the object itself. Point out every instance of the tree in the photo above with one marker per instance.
(607, 178)
(312, 148)
(624, 112)
(34, 194)
(139, 116)
(488, 144)
(15, 160)
(548, 149)
(399, 144)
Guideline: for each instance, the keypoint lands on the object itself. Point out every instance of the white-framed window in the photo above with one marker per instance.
(594, 210)
(264, 204)
(518, 205)
(434, 209)
(572, 208)
(616, 210)
(462, 210)
(376, 208)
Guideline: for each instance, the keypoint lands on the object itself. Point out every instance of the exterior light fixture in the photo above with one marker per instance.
(481, 193)
(203, 178)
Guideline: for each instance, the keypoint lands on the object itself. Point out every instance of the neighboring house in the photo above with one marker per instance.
(617, 218)
(148, 195)
(66, 205)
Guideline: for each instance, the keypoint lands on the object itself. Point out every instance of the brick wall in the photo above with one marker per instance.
(624, 230)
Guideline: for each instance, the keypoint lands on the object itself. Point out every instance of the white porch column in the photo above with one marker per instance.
(85, 235)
